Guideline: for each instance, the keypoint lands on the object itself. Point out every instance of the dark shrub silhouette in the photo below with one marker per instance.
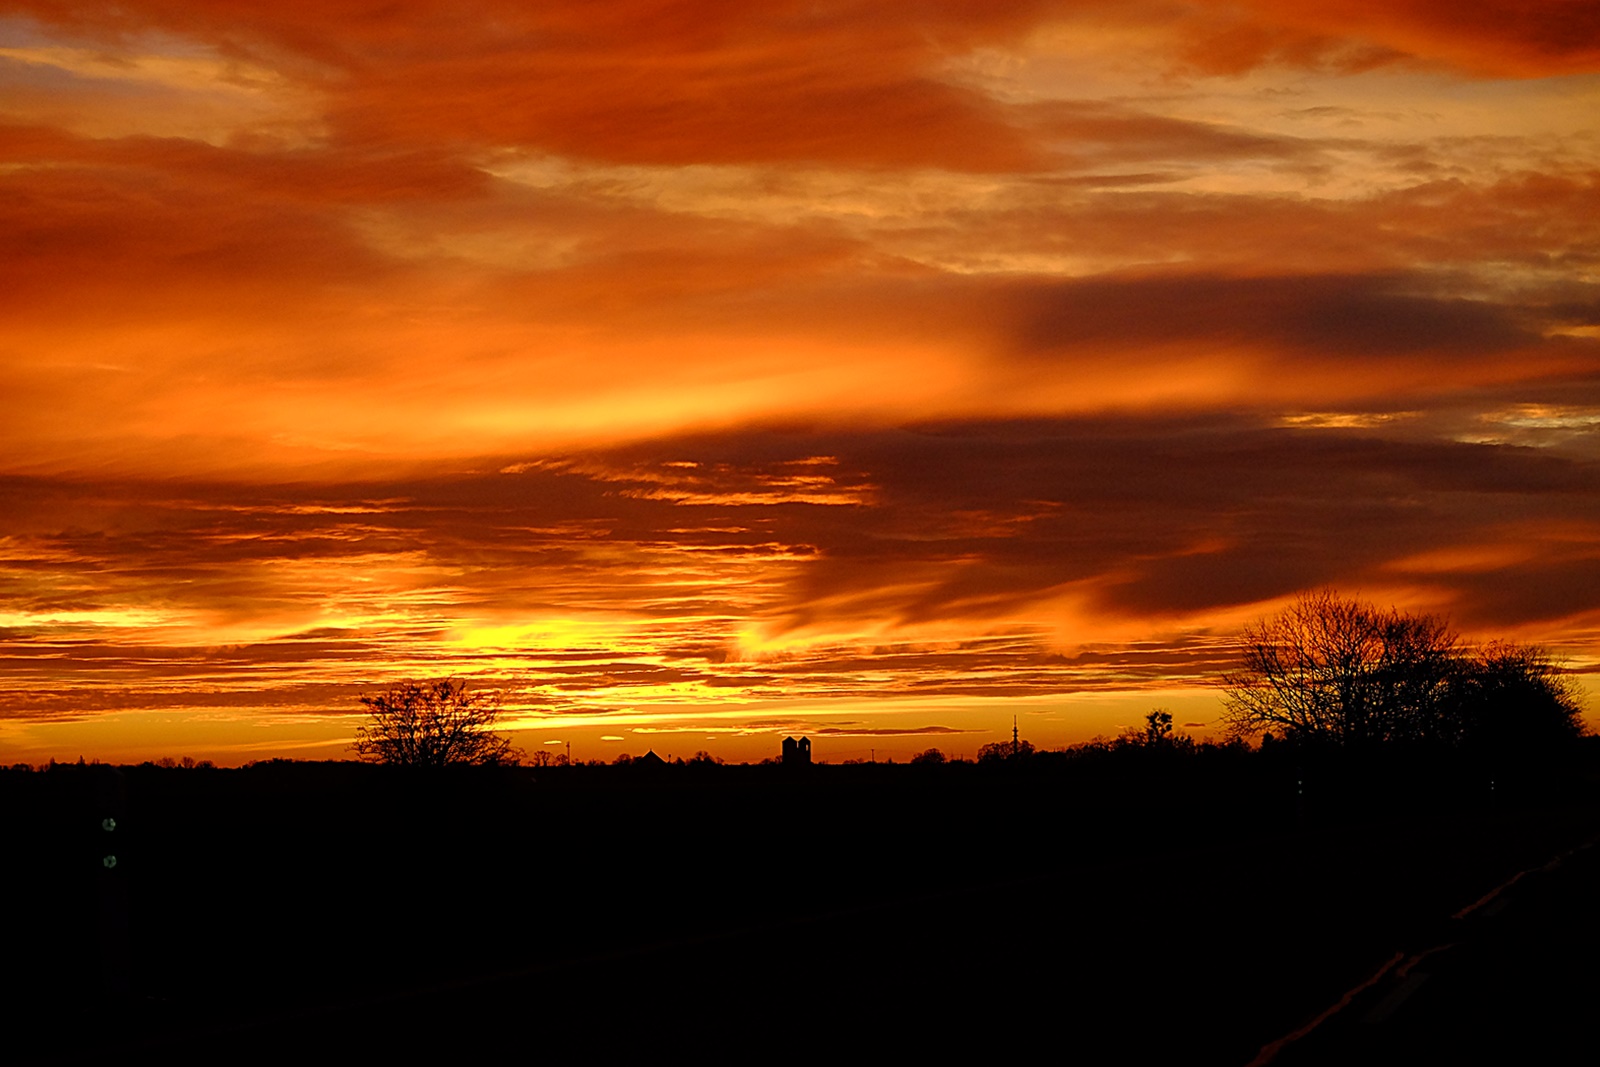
(1512, 700)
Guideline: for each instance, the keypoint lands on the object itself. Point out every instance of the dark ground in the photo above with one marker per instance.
(1512, 981)
(1117, 914)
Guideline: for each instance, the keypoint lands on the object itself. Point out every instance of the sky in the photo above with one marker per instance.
(694, 374)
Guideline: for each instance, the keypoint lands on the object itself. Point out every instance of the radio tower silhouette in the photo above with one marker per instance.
(1016, 746)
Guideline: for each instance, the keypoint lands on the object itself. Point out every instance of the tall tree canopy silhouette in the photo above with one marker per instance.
(433, 724)
(1512, 701)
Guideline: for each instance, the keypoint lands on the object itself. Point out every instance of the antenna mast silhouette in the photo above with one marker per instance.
(1016, 746)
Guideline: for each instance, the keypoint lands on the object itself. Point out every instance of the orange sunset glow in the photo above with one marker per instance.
(694, 374)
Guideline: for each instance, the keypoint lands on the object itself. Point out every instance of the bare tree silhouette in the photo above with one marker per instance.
(1332, 670)
(433, 724)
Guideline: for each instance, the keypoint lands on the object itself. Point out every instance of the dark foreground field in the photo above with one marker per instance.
(1132, 914)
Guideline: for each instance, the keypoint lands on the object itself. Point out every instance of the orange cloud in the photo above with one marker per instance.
(665, 360)
(1487, 37)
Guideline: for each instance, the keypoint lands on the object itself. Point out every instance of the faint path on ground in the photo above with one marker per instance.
(1510, 977)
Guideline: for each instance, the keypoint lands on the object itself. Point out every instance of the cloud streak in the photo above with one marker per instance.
(1111, 554)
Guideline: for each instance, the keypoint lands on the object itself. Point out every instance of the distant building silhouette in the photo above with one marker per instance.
(797, 753)
(650, 761)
